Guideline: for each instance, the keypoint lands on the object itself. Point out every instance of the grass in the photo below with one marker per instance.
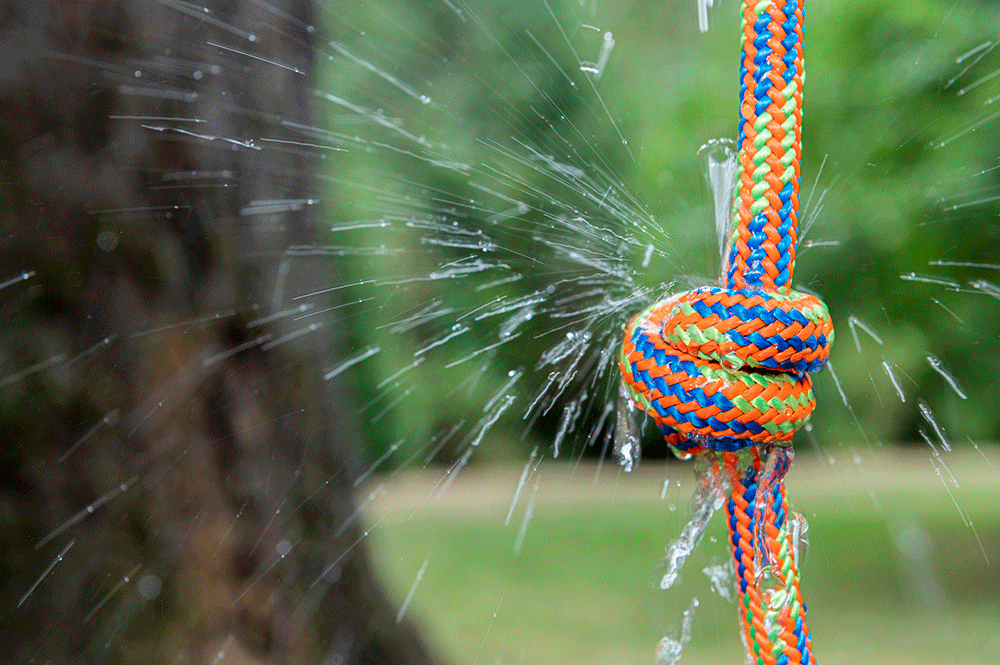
(893, 574)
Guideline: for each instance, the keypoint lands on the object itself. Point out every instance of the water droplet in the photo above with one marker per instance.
(722, 579)
(148, 587)
(107, 240)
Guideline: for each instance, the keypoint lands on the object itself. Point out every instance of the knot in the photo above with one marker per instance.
(723, 369)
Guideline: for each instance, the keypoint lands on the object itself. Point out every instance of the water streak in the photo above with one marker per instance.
(720, 166)
(703, 7)
(628, 438)
(708, 498)
(528, 513)
(938, 367)
(668, 651)
(412, 592)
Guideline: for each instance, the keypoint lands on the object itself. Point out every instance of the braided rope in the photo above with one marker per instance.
(773, 615)
(724, 372)
(770, 146)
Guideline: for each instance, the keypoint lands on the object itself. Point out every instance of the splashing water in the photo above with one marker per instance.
(776, 462)
(709, 497)
(668, 651)
(703, 7)
(629, 427)
(722, 579)
(720, 166)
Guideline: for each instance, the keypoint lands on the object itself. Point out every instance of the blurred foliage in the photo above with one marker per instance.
(900, 170)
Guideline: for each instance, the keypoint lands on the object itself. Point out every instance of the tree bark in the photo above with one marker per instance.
(176, 478)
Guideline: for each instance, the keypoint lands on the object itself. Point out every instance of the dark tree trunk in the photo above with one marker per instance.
(176, 474)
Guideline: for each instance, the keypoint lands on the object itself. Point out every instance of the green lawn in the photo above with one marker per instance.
(581, 588)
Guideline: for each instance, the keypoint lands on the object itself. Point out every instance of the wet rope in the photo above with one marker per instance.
(724, 371)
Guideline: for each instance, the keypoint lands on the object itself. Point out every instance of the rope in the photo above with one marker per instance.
(724, 371)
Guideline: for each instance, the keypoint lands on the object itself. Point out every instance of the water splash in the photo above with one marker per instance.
(799, 529)
(668, 651)
(628, 429)
(720, 167)
(597, 68)
(949, 378)
(528, 469)
(722, 577)
(775, 462)
(703, 7)
(412, 592)
(709, 497)
(528, 514)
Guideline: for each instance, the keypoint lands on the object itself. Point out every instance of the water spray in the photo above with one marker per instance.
(724, 370)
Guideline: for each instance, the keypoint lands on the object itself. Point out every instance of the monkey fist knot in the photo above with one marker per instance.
(723, 369)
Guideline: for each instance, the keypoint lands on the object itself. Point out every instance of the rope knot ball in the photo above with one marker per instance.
(722, 369)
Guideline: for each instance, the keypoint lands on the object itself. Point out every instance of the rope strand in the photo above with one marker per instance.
(762, 251)
(724, 372)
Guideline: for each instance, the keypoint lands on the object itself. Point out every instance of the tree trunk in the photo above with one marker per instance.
(176, 478)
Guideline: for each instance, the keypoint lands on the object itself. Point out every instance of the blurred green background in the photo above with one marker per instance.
(900, 184)
(895, 578)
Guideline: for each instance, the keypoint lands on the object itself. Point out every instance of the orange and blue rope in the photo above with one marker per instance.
(724, 371)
